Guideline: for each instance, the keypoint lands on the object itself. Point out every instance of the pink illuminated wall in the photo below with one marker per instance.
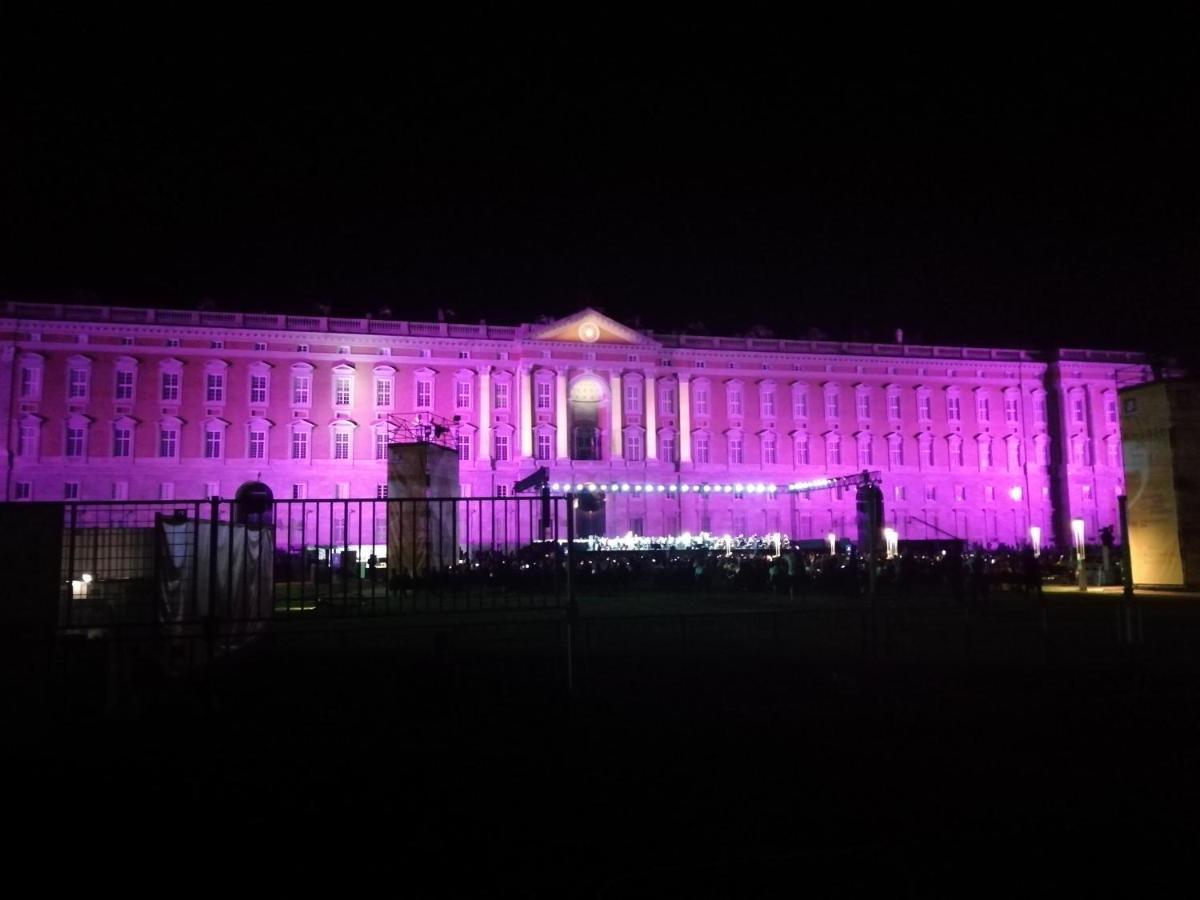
(975, 443)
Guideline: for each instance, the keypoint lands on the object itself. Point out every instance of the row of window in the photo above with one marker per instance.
(343, 385)
(214, 437)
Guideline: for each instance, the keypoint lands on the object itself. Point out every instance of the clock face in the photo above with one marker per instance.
(589, 332)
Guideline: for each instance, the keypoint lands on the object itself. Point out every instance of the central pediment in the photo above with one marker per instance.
(588, 327)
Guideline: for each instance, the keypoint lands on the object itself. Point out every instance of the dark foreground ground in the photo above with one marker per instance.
(454, 766)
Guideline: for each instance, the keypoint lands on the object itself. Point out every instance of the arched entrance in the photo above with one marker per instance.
(586, 397)
(254, 505)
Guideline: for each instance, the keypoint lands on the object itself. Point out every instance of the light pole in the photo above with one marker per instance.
(1080, 568)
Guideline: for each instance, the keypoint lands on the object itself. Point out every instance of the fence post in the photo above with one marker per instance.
(572, 602)
(210, 620)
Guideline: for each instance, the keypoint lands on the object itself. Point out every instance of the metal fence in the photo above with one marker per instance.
(242, 566)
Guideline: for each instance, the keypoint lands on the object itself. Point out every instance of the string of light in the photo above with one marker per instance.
(702, 488)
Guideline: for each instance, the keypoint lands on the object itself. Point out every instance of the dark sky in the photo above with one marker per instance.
(994, 186)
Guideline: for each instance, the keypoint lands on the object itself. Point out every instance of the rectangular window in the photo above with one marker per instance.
(501, 395)
(71, 490)
(633, 397)
(1011, 409)
(257, 447)
(381, 491)
(464, 447)
(78, 384)
(31, 383)
(701, 448)
(381, 445)
(299, 445)
(545, 447)
(702, 400)
(501, 447)
(75, 439)
(956, 452)
(1085, 491)
(23, 490)
(1078, 412)
(299, 491)
(735, 400)
(168, 443)
(668, 401)
(927, 454)
(383, 393)
(1114, 454)
(802, 453)
(953, 409)
(1039, 409)
(768, 451)
(735, 450)
(122, 442)
(894, 407)
(424, 394)
(633, 446)
(930, 493)
(166, 490)
(342, 390)
(898, 492)
(462, 395)
(666, 448)
(212, 443)
(960, 493)
(989, 493)
(864, 452)
(28, 440)
(341, 445)
(258, 389)
(545, 396)
(985, 454)
(925, 407)
(214, 388)
(831, 405)
(896, 453)
(864, 405)
(1110, 410)
(768, 404)
(301, 388)
(833, 453)
(170, 387)
(983, 409)
(124, 385)
(212, 489)
(260, 345)
(800, 404)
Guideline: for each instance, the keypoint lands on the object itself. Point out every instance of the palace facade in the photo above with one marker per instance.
(685, 433)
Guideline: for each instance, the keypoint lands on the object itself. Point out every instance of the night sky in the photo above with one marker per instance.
(1001, 187)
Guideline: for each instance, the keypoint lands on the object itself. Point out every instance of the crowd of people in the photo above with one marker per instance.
(959, 573)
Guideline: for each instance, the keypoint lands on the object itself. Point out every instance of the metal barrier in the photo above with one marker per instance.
(238, 567)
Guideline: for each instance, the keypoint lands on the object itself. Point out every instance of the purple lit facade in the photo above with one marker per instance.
(112, 403)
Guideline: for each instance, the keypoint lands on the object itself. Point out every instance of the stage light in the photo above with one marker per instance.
(672, 487)
(638, 488)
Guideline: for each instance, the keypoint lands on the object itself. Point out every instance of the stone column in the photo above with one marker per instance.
(685, 420)
(560, 418)
(614, 408)
(526, 408)
(651, 419)
(485, 413)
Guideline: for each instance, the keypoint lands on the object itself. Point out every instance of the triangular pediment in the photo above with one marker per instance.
(588, 327)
